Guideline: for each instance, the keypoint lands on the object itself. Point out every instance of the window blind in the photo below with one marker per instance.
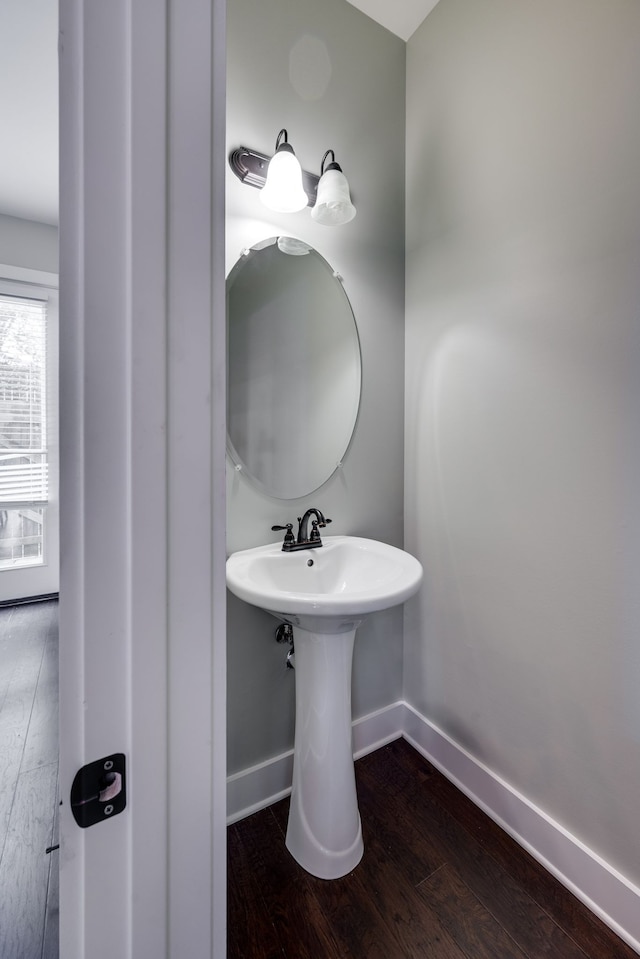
(23, 402)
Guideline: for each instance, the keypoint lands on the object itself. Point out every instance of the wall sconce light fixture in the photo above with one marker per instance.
(333, 203)
(286, 188)
(283, 190)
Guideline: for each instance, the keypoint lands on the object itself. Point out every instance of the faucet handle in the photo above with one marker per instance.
(288, 536)
(315, 532)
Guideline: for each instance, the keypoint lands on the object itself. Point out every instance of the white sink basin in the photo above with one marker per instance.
(329, 589)
(324, 593)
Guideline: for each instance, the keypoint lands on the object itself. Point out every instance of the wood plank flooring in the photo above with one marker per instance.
(438, 880)
(28, 780)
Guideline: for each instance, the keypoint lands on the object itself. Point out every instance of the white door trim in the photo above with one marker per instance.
(196, 479)
(142, 450)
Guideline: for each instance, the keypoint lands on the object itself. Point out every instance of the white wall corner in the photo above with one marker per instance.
(604, 890)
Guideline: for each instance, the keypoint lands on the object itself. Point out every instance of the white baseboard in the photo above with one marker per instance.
(259, 786)
(598, 885)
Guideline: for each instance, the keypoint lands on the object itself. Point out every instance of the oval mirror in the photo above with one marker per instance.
(293, 365)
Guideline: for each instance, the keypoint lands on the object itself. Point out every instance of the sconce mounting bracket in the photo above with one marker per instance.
(251, 168)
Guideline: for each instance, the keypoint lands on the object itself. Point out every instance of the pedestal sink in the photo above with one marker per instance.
(324, 593)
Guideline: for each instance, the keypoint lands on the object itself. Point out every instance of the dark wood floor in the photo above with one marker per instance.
(438, 880)
(28, 781)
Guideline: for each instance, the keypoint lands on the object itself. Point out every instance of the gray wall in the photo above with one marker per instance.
(334, 79)
(523, 391)
(28, 244)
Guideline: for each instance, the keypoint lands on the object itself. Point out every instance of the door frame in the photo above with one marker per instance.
(142, 404)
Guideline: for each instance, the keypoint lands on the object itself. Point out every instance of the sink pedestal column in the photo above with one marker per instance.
(324, 833)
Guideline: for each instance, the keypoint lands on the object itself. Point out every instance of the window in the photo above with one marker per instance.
(23, 430)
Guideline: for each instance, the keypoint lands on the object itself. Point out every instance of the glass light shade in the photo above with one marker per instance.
(283, 191)
(333, 203)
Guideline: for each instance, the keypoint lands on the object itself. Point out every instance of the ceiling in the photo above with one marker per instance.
(401, 17)
(29, 101)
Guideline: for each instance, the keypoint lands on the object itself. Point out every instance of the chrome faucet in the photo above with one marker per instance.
(305, 540)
